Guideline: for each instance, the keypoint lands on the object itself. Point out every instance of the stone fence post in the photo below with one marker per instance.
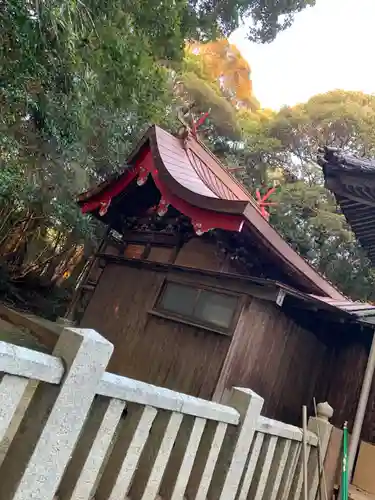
(44, 442)
(236, 447)
(321, 426)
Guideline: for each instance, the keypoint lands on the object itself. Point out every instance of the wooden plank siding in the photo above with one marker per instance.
(276, 358)
(287, 355)
(346, 378)
(201, 254)
(155, 350)
(269, 353)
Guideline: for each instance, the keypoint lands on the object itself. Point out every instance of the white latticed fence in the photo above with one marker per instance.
(69, 428)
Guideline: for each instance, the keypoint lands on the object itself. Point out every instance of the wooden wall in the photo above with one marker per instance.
(201, 254)
(347, 369)
(269, 352)
(204, 253)
(152, 349)
(346, 377)
(342, 370)
(275, 357)
(288, 356)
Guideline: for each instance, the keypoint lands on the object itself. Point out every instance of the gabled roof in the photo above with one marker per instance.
(193, 175)
(352, 181)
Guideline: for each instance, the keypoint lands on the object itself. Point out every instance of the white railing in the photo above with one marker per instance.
(69, 428)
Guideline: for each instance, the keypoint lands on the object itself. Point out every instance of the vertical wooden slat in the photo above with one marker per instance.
(280, 461)
(254, 455)
(188, 460)
(162, 457)
(207, 456)
(249, 353)
(290, 469)
(298, 481)
(83, 472)
(266, 467)
(125, 456)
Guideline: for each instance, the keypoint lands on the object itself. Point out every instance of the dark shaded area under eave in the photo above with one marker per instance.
(352, 181)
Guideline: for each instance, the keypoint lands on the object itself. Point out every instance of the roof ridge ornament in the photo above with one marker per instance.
(190, 125)
(261, 198)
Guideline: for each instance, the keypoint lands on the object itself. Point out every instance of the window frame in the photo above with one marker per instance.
(159, 311)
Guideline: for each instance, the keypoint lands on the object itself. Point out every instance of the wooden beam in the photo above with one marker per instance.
(261, 288)
(155, 237)
(338, 188)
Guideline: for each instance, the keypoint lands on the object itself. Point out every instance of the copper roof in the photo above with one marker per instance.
(196, 169)
(195, 175)
(352, 181)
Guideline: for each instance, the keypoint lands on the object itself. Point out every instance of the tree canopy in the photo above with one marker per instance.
(81, 80)
(306, 214)
(281, 147)
(268, 16)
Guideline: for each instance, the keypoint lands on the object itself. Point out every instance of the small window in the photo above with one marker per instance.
(206, 307)
(216, 308)
(134, 251)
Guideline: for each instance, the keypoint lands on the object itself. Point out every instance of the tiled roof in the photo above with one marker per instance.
(352, 181)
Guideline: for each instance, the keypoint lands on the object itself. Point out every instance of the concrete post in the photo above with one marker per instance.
(236, 448)
(46, 438)
(322, 428)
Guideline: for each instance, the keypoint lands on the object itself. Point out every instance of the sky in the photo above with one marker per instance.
(330, 46)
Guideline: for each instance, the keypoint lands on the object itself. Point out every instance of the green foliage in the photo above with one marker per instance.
(338, 118)
(307, 215)
(272, 16)
(81, 80)
(206, 96)
(11, 185)
(268, 16)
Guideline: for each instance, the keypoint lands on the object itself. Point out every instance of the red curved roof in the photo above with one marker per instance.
(196, 169)
(192, 174)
